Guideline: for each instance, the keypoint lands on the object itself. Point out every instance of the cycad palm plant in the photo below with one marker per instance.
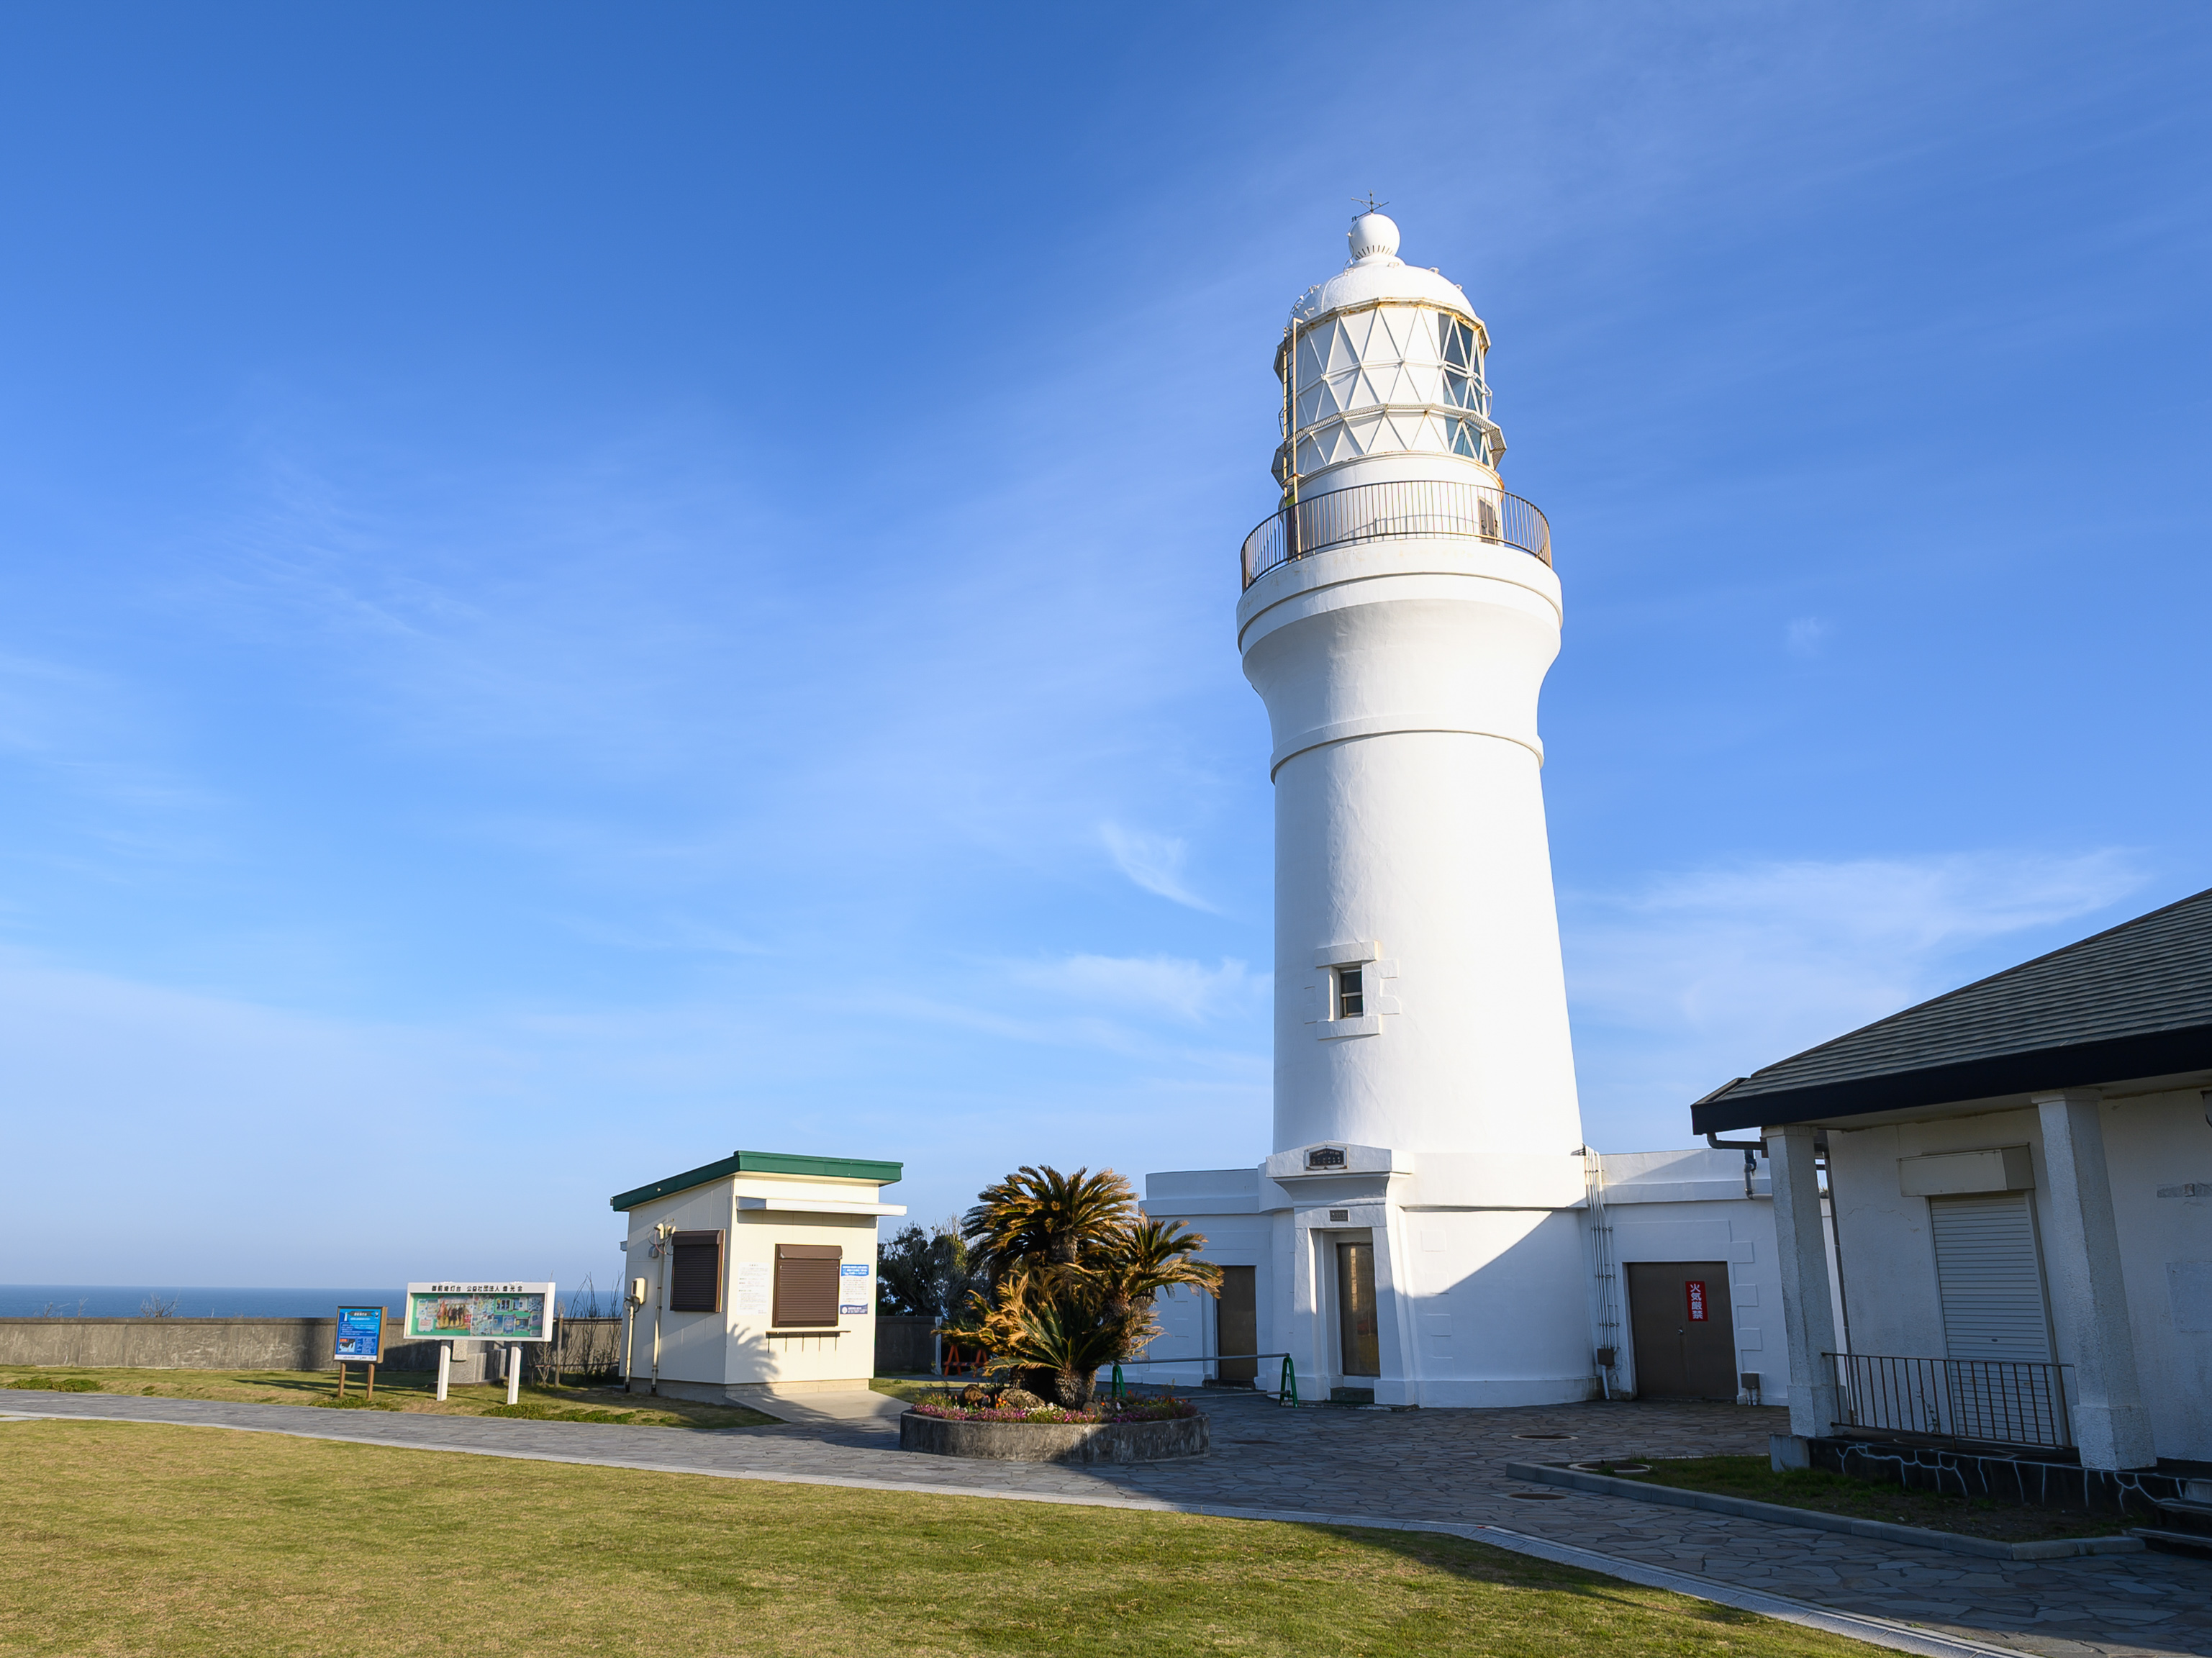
(1075, 1270)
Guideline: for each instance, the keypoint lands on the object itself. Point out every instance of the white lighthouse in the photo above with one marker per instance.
(1413, 1232)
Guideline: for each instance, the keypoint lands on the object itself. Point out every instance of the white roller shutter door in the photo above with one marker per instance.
(1990, 1275)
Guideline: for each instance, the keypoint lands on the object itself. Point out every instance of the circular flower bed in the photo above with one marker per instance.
(1105, 1409)
(1110, 1431)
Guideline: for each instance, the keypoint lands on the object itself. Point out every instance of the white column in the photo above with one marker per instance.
(445, 1368)
(513, 1373)
(1808, 1322)
(2088, 1293)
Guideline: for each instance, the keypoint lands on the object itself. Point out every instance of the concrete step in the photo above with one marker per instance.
(2175, 1542)
(2182, 1515)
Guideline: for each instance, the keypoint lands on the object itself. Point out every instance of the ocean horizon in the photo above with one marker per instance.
(185, 1301)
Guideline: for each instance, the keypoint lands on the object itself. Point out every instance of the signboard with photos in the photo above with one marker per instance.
(462, 1311)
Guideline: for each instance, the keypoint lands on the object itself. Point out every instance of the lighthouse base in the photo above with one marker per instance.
(1448, 1281)
(1422, 1285)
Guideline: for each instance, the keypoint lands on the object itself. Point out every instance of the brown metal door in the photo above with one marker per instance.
(1685, 1333)
(1357, 1326)
(1236, 1327)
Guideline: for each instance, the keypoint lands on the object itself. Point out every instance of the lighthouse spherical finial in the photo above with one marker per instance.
(1373, 236)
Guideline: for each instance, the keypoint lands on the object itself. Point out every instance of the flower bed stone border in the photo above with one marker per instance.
(1056, 1442)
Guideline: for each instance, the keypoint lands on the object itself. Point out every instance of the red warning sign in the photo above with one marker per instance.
(1695, 1289)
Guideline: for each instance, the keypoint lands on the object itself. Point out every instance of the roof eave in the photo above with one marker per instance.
(763, 1162)
(2079, 1065)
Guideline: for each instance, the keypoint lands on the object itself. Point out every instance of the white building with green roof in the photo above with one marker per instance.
(753, 1272)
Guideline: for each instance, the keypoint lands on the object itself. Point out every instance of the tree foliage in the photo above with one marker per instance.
(929, 1272)
(1074, 1270)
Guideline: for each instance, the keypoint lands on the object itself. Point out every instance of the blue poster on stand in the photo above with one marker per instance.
(361, 1335)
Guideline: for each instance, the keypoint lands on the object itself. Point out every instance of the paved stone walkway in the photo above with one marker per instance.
(1394, 1466)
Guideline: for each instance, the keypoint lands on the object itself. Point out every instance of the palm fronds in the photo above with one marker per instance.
(1075, 1269)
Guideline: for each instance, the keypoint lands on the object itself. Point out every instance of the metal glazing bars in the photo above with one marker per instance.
(1401, 508)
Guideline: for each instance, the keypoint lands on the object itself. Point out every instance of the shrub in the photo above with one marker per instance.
(56, 1384)
(1073, 1268)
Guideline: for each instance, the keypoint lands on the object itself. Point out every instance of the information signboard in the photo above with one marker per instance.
(359, 1336)
(500, 1313)
(852, 1290)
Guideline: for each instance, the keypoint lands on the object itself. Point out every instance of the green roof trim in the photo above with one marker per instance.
(763, 1162)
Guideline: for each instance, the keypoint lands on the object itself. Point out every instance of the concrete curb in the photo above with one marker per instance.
(1857, 1626)
(1744, 1508)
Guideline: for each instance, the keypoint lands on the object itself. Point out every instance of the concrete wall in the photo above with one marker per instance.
(252, 1344)
(174, 1344)
(1690, 1206)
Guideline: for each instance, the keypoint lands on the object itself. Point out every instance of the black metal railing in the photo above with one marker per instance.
(1384, 512)
(1991, 1401)
(1287, 1392)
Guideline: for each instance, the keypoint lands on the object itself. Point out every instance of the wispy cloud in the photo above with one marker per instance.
(1154, 862)
(1705, 975)
(1806, 635)
(1183, 990)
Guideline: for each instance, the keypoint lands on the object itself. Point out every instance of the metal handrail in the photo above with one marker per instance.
(1985, 1401)
(1402, 508)
(1286, 1394)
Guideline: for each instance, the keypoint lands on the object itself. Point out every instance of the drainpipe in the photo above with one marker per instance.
(1751, 1150)
(661, 1233)
(633, 1298)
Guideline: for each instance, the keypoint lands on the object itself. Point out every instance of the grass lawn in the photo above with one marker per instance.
(912, 1388)
(120, 1538)
(403, 1390)
(1833, 1493)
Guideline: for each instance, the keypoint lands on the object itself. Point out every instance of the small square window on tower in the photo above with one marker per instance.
(1351, 992)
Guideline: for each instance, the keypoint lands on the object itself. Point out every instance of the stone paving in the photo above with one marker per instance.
(1396, 1466)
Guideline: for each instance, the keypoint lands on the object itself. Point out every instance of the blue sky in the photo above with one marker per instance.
(581, 590)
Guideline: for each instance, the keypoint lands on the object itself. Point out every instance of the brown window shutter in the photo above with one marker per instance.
(695, 1274)
(806, 1284)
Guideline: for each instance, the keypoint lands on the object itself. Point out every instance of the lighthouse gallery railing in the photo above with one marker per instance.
(1382, 512)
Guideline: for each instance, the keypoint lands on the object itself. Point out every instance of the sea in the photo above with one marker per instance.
(184, 1301)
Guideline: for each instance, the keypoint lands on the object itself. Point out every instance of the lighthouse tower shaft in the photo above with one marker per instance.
(1419, 1001)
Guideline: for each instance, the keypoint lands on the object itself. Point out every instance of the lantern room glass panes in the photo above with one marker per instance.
(1390, 379)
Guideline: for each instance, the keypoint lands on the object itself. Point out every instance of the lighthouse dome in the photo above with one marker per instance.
(1375, 272)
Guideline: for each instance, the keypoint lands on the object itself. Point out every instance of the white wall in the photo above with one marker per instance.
(2152, 1143)
(1690, 1206)
(733, 1348)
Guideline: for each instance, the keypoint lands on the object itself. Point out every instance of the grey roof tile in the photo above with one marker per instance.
(2152, 974)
